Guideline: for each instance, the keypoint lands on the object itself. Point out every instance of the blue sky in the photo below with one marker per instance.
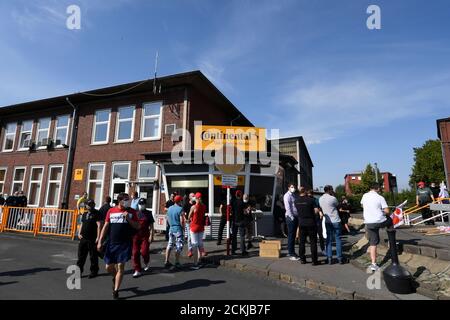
(309, 68)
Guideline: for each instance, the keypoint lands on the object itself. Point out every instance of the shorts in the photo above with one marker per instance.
(117, 253)
(175, 240)
(197, 239)
(373, 230)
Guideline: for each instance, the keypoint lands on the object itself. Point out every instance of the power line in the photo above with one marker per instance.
(113, 93)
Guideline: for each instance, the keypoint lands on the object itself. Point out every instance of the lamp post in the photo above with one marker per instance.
(376, 172)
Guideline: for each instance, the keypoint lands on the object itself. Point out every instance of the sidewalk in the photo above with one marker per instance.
(340, 281)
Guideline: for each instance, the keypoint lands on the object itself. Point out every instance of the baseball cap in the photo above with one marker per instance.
(421, 183)
(238, 193)
(198, 195)
(178, 199)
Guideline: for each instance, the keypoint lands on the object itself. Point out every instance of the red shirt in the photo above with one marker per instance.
(198, 218)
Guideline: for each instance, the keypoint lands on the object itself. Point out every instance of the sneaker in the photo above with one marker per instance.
(178, 265)
(294, 258)
(244, 254)
(195, 267)
(137, 274)
(316, 263)
(219, 243)
(167, 264)
(147, 268)
(203, 254)
(329, 261)
(190, 254)
(342, 261)
(374, 267)
(115, 294)
(302, 261)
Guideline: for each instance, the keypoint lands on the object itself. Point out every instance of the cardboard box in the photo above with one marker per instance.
(270, 249)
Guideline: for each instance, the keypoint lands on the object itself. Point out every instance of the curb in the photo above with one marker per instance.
(337, 292)
(420, 290)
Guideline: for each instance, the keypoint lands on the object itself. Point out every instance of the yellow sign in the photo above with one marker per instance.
(78, 175)
(218, 180)
(216, 137)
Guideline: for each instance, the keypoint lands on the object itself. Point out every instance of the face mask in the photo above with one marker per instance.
(245, 201)
(291, 190)
(88, 207)
(194, 200)
(141, 207)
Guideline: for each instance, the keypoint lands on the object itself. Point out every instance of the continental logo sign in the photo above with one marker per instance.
(216, 137)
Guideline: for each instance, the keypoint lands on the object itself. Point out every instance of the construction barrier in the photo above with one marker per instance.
(39, 221)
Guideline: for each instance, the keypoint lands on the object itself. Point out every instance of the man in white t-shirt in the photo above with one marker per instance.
(376, 216)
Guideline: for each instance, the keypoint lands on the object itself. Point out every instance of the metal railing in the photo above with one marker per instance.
(416, 209)
(39, 221)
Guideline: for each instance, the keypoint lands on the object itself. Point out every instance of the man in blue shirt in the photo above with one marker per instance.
(175, 218)
(135, 201)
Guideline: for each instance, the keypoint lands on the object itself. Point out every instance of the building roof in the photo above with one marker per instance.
(360, 173)
(193, 78)
(438, 122)
(302, 144)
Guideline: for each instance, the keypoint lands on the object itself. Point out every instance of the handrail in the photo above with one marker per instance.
(416, 208)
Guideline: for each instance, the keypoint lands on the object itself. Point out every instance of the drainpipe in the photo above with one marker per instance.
(70, 156)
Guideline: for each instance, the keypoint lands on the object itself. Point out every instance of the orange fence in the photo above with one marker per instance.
(39, 221)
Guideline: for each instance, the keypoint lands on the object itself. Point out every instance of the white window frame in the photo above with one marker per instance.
(18, 181)
(58, 127)
(35, 182)
(9, 134)
(4, 180)
(50, 167)
(94, 129)
(114, 181)
(118, 120)
(22, 132)
(144, 117)
(139, 170)
(89, 181)
(39, 129)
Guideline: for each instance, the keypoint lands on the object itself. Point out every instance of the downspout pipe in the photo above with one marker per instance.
(70, 156)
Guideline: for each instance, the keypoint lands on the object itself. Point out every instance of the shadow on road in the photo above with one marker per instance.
(5, 283)
(19, 273)
(190, 284)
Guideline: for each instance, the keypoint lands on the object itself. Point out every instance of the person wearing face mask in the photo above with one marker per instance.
(88, 234)
(119, 224)
(344, 213)
(291, 214)
(142, 239)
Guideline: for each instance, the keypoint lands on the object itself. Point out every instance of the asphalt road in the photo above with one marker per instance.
(33, 268)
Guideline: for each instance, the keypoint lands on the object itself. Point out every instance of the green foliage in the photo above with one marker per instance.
(340, 191)
(367, 178)
(428, 164)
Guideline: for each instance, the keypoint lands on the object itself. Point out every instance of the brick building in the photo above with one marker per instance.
(388, 181)
(119, 138)
(443, 126)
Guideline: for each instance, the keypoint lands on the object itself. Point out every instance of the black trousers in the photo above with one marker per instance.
(426, 213)
(320, 233)
(223, 223)
(311, 233)
(242, 228)
(86, 247)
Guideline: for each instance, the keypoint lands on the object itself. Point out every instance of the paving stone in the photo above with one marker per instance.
(411, 249)
(344, 294)
(443, 254)
(311, 284)
(328, 289)
(285, 278)
(359, 296)
(298, 281)
(428, 293)
(274, 275)
(428, 252)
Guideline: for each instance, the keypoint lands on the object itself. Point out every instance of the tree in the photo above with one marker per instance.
(340, 191)
(428, 164)
(367, 178)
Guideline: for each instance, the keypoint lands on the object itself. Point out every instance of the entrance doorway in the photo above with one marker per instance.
(145, 191)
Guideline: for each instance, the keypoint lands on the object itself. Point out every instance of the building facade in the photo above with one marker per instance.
(120, 139)
(443, 126)
(296, 147)
(388, 181)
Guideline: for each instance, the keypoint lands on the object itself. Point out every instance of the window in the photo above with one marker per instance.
(10, 136)
(151, 121)
(2, 179)
(43, 132)
(146, 170)
(170, 128)
(101, 126)
(54, 185)
(120, 178)
(34, 189)
(353, 178)
(25, 134)
(359, 178)
(18, 179)
(125, 124)
(95, 182)
(61, 130)
(261, 190)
